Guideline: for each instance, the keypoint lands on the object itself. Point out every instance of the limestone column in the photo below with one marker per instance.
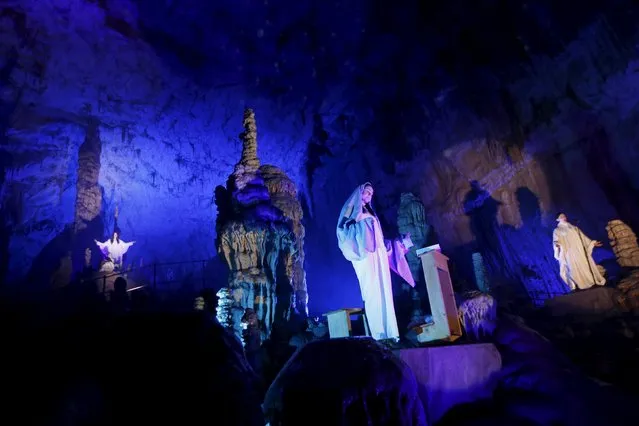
(88, 202)
(87, 224)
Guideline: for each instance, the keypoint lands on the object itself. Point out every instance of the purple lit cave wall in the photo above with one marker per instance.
(496, 115)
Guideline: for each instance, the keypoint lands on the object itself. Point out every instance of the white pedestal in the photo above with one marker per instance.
(446, 325)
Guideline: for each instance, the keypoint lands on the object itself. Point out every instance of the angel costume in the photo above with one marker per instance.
(361, 240)
(114, 249)
(573, 250)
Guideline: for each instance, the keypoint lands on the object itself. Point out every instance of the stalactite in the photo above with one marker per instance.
(284, 196)
(478, 314)
(223, 309)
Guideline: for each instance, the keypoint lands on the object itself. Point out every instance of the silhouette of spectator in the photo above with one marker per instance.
(137, 370)
(119, 296)
(356, 381)
(179, 369)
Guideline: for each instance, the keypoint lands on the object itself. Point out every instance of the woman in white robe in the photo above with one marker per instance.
(573, 251)
(114, 248)
(361, 240)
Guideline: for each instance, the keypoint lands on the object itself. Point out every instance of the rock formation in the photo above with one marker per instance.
(624, 244)
(411, 218)
(629, 288)
(258, 224)
(284, 196)
(245, 170)
(478, 314)
(224, 311)
(88, 202)
(481, 277)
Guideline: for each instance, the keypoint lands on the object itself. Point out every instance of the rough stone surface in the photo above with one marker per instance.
(481, 278)
(257, 222)
(284, 196)
(624, 244)
(594, 301)
(478, 314)
(88, 204)
(249, 163)
(166, 142)
(411, 218)
(551, 109)
(629, 287)
(253, 253)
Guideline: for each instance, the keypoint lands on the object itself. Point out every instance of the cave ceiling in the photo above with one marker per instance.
(399, 61)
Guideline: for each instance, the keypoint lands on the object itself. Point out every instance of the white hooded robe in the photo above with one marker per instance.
(573, 251)
(361, 240)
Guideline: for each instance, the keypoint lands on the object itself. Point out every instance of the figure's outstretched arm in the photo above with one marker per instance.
(103, 245)
(587, 241)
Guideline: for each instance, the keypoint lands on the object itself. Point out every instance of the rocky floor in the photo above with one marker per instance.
(606, 349)
(598, 331)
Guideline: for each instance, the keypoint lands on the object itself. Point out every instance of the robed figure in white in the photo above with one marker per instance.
(114, 248)
(573, 250)
(361, 240)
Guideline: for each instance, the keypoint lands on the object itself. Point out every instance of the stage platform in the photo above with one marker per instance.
(451, 375)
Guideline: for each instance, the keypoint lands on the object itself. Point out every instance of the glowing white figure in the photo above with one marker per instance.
(573, 251)
(361, 240)
(114, 248)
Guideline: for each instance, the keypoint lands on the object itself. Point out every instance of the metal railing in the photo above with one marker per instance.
(158, 276)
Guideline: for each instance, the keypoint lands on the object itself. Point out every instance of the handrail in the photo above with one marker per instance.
(148, 266)
(124, 272)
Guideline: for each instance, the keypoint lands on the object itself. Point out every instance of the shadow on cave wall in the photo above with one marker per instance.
(49, 260)
(48, 268)
(612, 180)
(530, 245)
(518, 260)
(83, 240)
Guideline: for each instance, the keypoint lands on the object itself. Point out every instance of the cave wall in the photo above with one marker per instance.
(340, 101)
(577, 156)
(564, 104)
(166, 143)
